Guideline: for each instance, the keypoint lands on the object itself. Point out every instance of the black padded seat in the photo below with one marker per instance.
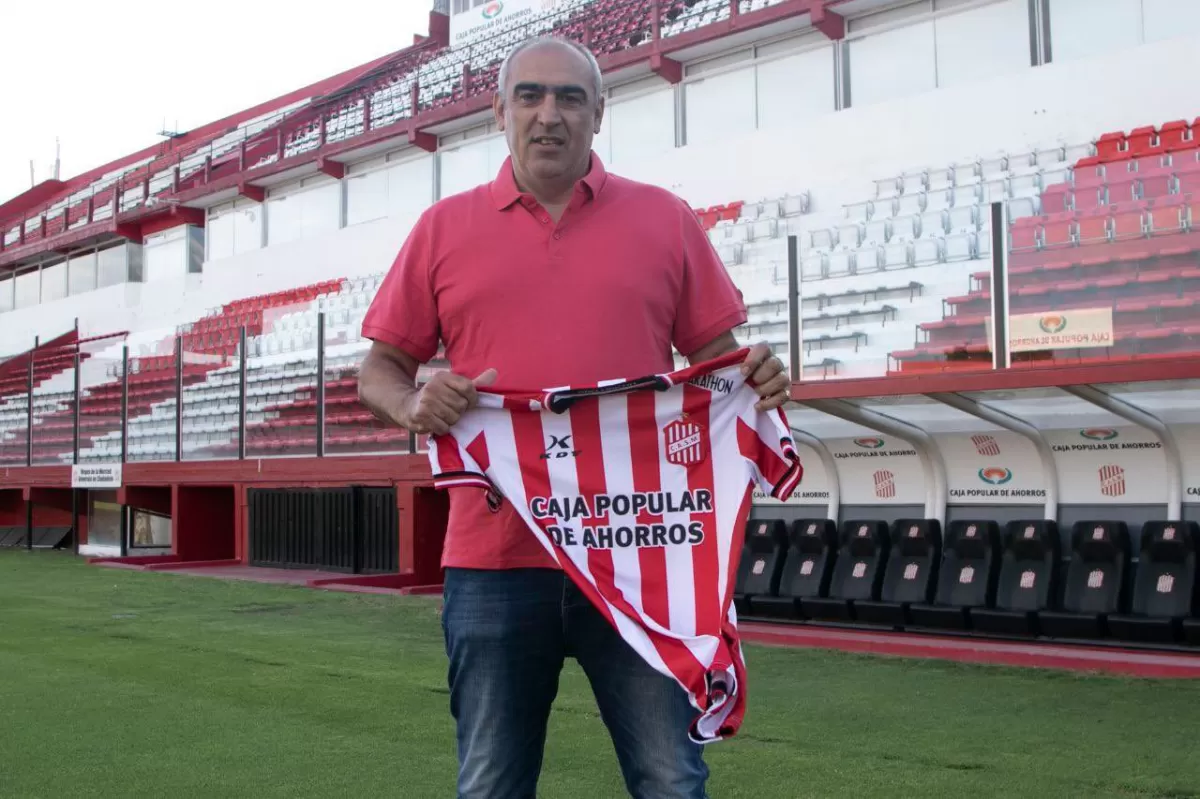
(1028, 580)
(1164, 588)
(807, 568)
(857, 573)
(910, 575)
(762, 561)
(967, 577)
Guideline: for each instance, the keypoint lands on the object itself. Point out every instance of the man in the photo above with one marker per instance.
(555, 273)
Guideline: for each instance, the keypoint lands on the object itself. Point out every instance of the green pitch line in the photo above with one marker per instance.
(126, 684)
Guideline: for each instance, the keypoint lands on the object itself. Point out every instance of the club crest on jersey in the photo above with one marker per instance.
(685, 443)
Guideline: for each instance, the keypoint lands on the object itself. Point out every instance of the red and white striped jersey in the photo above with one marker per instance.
(640, 490)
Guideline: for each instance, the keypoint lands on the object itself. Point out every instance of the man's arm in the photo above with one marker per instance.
(387, 385)
(387, 380)
(765, 370)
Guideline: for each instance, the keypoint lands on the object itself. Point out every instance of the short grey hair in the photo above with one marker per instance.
(597, 76)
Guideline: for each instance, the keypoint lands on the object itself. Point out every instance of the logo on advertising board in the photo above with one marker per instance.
(885, 484)
(995, 475)
(986, 445)
(1112, 480)
(685, 443)
(1050, 330)
(493, 9)
(869, 443)
(1099, 433)
(1053, 323)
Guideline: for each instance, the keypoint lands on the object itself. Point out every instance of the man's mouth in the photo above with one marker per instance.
(548, 141)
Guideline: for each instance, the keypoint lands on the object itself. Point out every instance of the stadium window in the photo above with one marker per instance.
(164, 256)
(247, 226)
(890, 64)
(28, 289)
(409, 184)
(81, 273)
(719, 98)
(112, 266)
(464, 167)
(303, 210)
(54, 282)
(6, 293)
(367, 195)
(981, 42)
(795, 81)
(640, 126)
(219, 242)
(104, 518)
(1166, 19)
(1082, 28)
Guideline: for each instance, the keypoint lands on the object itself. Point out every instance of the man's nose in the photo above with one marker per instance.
(548, 114)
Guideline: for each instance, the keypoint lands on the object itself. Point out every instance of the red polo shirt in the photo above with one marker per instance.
(626, 274)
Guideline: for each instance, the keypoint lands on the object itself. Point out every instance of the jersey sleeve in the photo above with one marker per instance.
(766, 442)
(404, 311)
(456, 463)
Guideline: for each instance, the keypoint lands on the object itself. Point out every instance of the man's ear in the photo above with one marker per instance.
(599, 114)
(498, 110)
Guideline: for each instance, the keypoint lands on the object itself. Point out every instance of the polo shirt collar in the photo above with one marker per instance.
(505, 192)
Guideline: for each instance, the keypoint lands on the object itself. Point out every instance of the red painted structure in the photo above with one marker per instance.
(236, 171)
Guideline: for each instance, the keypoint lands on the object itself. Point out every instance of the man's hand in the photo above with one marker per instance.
(768, 377)
(442, 401)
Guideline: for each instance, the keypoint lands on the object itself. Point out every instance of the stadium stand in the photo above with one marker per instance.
(895, 274)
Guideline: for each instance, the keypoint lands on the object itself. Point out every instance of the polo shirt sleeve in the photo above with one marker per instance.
(710, 304)
(404, 311)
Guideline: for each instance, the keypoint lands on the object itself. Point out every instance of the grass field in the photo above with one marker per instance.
(128, 684)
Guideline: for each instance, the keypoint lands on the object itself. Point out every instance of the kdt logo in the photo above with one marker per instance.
(559, 448)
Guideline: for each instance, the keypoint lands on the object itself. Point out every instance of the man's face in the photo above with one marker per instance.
(549, 113)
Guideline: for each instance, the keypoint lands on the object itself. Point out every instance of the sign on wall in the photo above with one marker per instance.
(813, 488)
(1187, 436)
(483, 19)
(1109, 466)
(99, 475)
(1051, 330)
(994, 468)
(877, 470)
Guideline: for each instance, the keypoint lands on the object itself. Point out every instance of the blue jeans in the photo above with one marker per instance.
(507, 636)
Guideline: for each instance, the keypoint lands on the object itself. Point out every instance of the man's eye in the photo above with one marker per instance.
(528, 97)
(571, 99)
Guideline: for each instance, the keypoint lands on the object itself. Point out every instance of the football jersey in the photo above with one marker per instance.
(640, 490)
